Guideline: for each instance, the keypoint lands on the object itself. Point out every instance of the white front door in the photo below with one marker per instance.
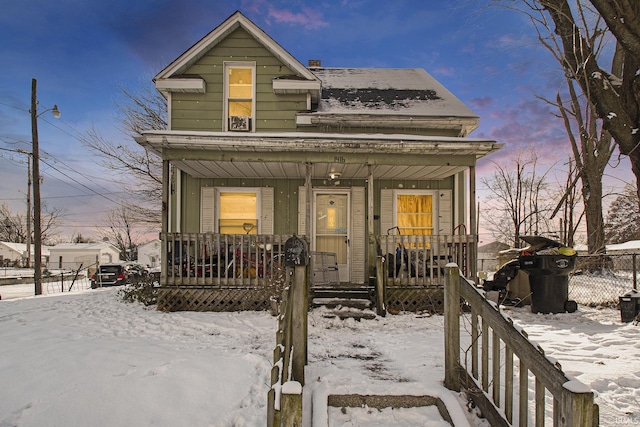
(331, 227)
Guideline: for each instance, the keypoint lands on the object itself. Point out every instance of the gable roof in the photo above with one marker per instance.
(373, 95)
(198, 50)
(406, 91)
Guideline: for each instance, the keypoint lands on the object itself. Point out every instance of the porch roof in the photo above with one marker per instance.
(284, 154)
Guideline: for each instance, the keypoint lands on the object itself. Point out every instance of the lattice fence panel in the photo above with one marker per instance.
(414, 300)
(208, 299)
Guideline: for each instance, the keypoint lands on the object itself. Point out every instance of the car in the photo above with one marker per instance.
(109, 275)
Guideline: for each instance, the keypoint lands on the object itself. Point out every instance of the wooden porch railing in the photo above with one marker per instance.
(420, 260)
(223, 260)
(485, 366)
(284, 399)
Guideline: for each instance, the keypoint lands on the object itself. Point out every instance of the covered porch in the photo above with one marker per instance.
(312, 164)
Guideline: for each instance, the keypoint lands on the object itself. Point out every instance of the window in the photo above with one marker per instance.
(240, 95)
(414, 214)
(238, 212)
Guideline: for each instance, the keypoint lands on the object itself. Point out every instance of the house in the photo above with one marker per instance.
(359, 162)
(149, 253)
(626, 248)
(82, 255)
(15, 254)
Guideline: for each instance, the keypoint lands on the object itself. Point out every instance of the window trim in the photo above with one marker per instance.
(225, 112)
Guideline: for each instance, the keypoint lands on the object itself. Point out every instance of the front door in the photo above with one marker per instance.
(331, 227)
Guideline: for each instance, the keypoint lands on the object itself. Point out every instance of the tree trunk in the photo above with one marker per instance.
(592, 196)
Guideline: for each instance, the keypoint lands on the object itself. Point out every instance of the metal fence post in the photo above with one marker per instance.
(635, 271)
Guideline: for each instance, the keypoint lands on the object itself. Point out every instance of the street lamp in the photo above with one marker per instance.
(37, 228)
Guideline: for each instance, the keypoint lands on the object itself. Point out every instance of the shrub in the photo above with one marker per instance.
(143, 290)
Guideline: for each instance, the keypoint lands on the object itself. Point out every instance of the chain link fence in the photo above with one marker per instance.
(597, 280)
(67, 277)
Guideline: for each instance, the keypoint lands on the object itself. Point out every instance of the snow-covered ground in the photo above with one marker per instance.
(86, 358)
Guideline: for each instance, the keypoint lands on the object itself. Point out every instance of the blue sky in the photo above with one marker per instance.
(82, 52)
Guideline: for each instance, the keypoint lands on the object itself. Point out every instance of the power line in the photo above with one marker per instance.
(81, 184)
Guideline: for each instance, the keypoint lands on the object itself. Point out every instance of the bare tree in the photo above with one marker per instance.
(13, 226)
(139, 171)
(578, 31)
(517, 205)
(121, 233)
(623, 218)
(569, 207)
(592, 148)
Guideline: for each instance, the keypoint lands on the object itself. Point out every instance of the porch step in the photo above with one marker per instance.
(345, 302)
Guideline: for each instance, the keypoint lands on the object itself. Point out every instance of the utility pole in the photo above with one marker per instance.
(28, 263)
(37, 229)
(35, 155)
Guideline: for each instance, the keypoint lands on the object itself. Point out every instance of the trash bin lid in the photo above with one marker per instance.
(538, 243)
(633, 293)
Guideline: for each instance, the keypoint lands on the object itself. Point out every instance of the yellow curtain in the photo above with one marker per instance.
(415, 214)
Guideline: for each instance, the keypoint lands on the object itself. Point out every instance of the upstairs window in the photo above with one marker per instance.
(240, 88)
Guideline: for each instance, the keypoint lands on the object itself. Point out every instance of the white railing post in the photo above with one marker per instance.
(452, 327)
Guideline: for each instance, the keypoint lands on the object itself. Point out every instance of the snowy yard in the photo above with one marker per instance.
(85, 358)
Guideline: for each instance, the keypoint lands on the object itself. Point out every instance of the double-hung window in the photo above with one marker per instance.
(240, 91)
(414, 213)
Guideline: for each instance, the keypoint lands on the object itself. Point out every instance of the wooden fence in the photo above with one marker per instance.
(488, 373)
(284, 400)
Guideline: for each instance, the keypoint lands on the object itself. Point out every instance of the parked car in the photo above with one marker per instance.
(109, 275)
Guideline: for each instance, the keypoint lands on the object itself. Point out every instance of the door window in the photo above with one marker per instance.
(331, 225)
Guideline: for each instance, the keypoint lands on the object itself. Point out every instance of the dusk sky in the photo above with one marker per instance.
(82, 52)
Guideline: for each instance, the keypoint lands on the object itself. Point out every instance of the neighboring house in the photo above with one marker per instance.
(259, 144)
(626, 248)
(15, 254)
(76, 255)
(489, 258)
(149, 253)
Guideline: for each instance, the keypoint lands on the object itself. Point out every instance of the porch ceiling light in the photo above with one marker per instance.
(334, 175)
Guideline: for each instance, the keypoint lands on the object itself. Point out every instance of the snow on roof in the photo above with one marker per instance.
(22, 247)
(398, 91)
(630, 245)
(82, 246)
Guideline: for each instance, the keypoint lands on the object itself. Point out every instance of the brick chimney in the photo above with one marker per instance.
(315, 63)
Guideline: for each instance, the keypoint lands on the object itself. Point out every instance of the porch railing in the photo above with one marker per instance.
(486, 368)
(223, 260)
(420, 260)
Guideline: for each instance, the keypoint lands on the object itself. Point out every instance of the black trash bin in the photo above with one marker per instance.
(548, 264)
(629, 306)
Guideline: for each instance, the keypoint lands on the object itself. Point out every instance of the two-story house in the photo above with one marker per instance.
(360, 162)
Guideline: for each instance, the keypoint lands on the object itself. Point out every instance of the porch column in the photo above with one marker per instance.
(473, 224)
(309, 187)
(164, 220)
(370, 230)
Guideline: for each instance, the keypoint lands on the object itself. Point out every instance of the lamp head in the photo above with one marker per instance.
(55, 112)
